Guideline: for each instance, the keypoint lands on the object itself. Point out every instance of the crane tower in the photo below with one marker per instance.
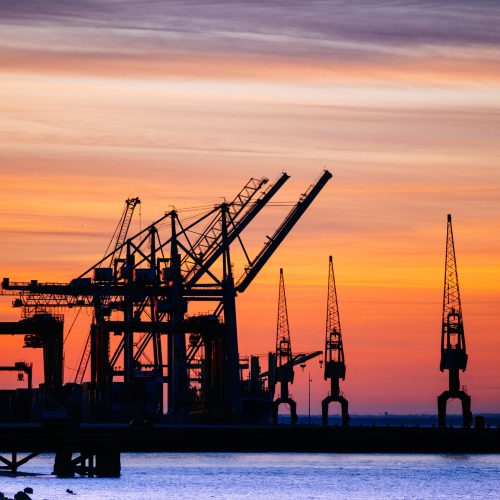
(453, 352)
(334, 352)
(284, 362)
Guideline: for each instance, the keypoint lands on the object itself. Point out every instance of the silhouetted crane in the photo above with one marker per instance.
(334, 352)
(453, 352)
(284, 366)
(150, 284)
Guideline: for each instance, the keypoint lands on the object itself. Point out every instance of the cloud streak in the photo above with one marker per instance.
(368, 21)
(262, 39)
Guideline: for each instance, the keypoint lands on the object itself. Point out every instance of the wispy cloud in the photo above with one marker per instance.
(244, 38)
(367, 21)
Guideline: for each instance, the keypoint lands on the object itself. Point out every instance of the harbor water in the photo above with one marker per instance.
(273, 475)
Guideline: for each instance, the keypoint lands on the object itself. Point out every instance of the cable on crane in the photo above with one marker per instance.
(72, 325)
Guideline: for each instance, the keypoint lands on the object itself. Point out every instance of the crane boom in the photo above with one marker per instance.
(211, 238)
(286, 226)
(236, 228)
(122, 228)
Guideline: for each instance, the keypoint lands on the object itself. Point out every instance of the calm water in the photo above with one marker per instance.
(275, 475)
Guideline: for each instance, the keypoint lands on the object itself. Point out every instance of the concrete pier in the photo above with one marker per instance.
(101, 439)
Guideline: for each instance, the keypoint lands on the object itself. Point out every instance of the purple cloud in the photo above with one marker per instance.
(284, 27)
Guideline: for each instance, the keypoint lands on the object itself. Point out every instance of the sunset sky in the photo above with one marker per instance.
(180, 103)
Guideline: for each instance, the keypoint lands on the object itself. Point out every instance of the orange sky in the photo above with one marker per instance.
(181, 105)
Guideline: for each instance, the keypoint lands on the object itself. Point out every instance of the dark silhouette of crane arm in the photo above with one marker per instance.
(235, 229)
(297, 359)
(211, 236)
(286, 226)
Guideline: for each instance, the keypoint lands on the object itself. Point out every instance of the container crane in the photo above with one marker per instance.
(334, 352)
(150, 281)
(453, 352)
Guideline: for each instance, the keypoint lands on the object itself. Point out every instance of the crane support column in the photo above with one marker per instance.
(453, 352)
(178, 384)
(232, 376)
(100, 367)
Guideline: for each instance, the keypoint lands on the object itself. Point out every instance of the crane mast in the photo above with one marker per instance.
(334, 352)
(283, 358)
(121, 231)
(453, 352)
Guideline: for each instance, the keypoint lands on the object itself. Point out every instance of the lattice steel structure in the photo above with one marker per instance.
(453, 352)
(334, 352)
(284, 373)
(144, 290)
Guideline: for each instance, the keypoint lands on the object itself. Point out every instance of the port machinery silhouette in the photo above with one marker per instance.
(334, 361)
(284, 372)
(453, 351)
(145, 289)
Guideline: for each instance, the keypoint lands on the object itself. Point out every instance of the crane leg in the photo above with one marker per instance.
(293, 410)
(344, 406)
(442, 400)
(466, 405)
(466, 413)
